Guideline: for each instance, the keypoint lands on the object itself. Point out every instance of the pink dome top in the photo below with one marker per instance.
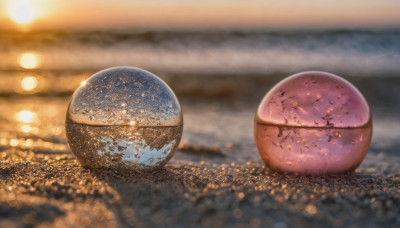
(314, 99)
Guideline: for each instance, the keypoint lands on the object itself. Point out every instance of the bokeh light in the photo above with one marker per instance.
(14, 142)
(29, 60)
(29, 83)
(26, 128)
(26, 116)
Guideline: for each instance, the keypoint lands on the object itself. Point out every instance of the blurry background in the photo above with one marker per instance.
(213, 37)
(220, 55)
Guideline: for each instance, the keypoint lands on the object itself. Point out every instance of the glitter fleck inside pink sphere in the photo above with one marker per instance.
(313, 123)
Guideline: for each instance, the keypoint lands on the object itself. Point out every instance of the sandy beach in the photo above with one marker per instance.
(215, 179)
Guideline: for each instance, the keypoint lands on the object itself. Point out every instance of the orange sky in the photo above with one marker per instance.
(55, 14)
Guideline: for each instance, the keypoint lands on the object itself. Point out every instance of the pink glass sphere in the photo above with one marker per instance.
(313, 123)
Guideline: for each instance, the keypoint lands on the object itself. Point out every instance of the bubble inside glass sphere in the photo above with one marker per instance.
(313, 123)
(124, 117)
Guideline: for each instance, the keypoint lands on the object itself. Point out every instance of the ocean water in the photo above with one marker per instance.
(345, 52)
(218, 76)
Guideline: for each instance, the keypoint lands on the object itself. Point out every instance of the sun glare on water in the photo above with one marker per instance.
(29, 83)
(22, 11)
(29, 60)
(26, 116)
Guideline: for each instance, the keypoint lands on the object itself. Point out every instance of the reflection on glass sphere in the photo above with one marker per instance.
(124, 117)
(313, 123)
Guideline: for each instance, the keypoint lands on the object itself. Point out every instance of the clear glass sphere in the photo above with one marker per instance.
(124, 117)
(313, 123)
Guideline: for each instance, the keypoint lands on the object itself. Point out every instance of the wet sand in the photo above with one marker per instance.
(215, 179)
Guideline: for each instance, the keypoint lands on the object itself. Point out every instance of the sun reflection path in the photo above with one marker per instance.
(26, 128)
(29, 60)
(29, 83)
(27, 120)
(26, 116)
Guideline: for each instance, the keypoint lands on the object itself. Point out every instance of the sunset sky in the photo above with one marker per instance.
(87, 14)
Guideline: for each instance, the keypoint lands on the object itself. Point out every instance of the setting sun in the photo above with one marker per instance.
(22, 11)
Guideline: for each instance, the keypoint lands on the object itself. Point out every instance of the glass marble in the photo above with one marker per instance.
(124, 117)
(313, 123)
